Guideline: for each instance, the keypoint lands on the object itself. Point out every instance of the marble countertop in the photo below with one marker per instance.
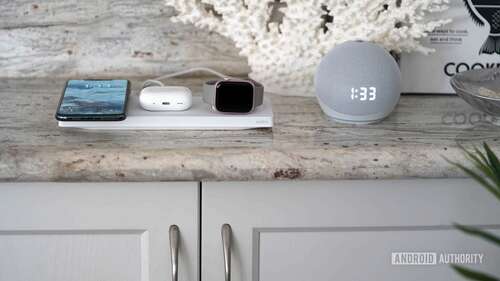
(303, 144)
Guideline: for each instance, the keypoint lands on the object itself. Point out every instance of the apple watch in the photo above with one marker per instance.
(233, 95)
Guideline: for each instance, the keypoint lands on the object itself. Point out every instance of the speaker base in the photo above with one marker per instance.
(352, 119)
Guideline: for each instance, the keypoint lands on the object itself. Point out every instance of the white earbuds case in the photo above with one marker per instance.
(165, 98)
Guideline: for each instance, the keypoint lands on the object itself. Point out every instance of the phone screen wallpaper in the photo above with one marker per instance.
(85, 97)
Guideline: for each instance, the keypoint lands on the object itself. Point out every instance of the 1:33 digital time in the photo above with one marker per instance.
(364, 93)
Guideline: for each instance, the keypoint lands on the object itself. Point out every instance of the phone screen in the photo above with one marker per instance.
(92, 99)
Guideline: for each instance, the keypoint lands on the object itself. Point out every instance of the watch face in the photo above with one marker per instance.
(234, 96)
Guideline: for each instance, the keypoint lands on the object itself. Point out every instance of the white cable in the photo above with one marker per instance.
(157, 82)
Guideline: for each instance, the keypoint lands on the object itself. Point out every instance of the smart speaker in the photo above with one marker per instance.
(358, 82)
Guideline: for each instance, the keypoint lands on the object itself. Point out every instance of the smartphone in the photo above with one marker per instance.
(94, 100)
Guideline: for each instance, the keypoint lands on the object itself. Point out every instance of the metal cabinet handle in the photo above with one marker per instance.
(226, 246)
(174, 250)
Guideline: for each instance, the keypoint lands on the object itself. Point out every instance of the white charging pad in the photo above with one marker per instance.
(199, 117)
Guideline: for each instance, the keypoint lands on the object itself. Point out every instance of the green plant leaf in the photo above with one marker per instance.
(482, 163)
(473, 275)
(479, 179)
(488, 175)
(479, 160)
(480, 154)
(493, 160)
(479, 232)
(486, 165)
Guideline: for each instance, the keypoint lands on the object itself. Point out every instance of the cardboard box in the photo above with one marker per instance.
(471, 41)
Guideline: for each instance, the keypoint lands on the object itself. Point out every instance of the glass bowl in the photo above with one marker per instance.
(480, 88)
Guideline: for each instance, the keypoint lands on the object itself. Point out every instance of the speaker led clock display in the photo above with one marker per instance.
(358, 82)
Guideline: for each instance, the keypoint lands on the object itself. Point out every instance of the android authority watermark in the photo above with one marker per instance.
(433, 258)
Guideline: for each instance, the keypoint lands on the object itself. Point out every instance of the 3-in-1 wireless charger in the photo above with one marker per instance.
(199, 117)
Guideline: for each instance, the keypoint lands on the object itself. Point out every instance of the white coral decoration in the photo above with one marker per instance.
(284, 54)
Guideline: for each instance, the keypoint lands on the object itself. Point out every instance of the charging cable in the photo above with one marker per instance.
(157, 82)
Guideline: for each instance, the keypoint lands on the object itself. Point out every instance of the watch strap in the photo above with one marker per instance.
(258, 93)
(209, 92)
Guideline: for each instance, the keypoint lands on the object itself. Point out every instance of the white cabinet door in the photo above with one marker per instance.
(347, 230)
(97, 232)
